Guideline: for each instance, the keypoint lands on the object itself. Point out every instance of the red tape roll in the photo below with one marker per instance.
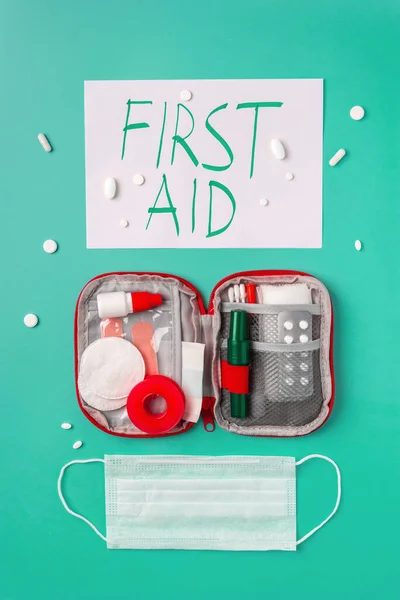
(156, 385)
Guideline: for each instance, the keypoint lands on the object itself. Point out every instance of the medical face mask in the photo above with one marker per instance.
(201, 502)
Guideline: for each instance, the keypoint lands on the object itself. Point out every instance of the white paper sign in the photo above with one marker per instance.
(207, 163)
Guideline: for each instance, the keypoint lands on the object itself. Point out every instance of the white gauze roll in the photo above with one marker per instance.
(293, 293)
(109, 369)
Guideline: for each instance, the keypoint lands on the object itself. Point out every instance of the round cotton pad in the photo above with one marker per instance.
(109, 369)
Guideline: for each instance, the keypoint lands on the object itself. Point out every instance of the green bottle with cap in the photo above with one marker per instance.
(239, 355)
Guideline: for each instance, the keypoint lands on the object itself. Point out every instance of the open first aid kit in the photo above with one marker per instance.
(150, 360)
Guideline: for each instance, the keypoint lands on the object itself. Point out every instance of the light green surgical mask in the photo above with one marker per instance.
(201, 502)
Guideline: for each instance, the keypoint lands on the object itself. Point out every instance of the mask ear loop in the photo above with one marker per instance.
(61, 496)
(339, 493)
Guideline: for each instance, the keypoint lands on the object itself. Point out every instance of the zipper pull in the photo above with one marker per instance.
(207, 413)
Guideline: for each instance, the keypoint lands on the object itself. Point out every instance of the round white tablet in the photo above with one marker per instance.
(289, 176)
(357, 113)
(138, 179)
(186, 95)
(264, 201)
(288, 325)
(124, 223)
(358, 245)
(31, 320)
(303, 324)
(50, 246)
(288, 339)
(303, 338)
(109, 369)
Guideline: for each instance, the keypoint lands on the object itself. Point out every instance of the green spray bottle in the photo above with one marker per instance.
(239, 355)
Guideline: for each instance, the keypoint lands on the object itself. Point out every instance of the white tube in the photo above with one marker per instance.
(114, 304)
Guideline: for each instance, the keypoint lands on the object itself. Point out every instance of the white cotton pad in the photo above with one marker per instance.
(109, 369)
(295, 293)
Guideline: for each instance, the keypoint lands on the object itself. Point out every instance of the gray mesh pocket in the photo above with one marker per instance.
(285, 389)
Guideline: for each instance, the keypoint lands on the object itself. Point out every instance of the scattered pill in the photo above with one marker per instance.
(303, 324)
(138, 179)
(278, 149)
(77, 445)
(50, 246)
(357, 113)
(288, 339)
(337, 157)
(289, 381)
(186, 95)
(31, 320)
(124, 223)
(304, 366)
(288, 325)
(110, 188)
(66, 425)
(303, 338)
(264, 202)
(358, 245)
(303, 380)
(289, 176)
(44, 142)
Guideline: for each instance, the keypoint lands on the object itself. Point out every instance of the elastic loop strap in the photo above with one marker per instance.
(234, 378)
(61, 496)
(339, 493)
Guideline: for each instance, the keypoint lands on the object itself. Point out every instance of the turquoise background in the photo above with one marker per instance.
(48, 49)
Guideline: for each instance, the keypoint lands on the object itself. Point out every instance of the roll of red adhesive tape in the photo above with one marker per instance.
(142, 418)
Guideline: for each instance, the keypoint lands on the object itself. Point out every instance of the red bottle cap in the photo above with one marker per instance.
(144, 301)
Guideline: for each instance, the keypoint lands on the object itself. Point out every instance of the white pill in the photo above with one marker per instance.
(357, 113)
(304, 366)
(236, 291)
(303, 338)
(289, 367)
(110, 188)
(242, 291)
(66, 425)
(31, 320)
(289, 176)
(303, 324)
(124, 223)
(278, 149)
(288, 325)
(289, 381)
(77, 445)
(304, 354)
(138, 179)
(44, 142)
(337, 157)
(288, 339)
(50, 246)
(231, 295)
(186, 95)
(358, 245)
(303, 380)
(264, 202)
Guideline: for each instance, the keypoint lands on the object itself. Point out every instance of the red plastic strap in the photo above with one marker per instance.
(235, 379)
